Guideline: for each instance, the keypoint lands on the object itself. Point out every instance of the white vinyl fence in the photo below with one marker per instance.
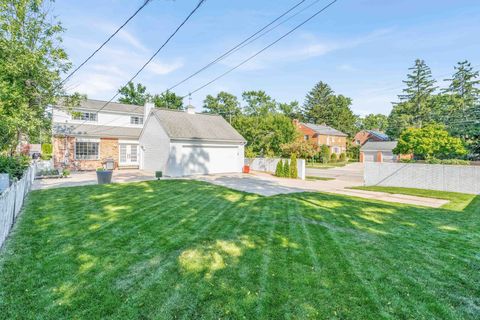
(270, 164)
(465, 179)
(11, 201)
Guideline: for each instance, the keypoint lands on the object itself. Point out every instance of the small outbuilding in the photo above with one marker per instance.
(378, 151)
(182, 143)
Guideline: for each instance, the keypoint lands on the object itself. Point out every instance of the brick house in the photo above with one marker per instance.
(323, 134)
(364, 136)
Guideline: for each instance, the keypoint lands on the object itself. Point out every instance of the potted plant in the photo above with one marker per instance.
(104, 176)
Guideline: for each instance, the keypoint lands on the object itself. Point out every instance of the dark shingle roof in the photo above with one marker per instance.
(183, 125)
(379, 135)
(95, 105)
(324, 129)
(89, 130)
(379, 146)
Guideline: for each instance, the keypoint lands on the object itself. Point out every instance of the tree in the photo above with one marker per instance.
(374, 122)
(464, 84)
(279, 168)
(291, 110)
(168, 100)
(286, 169)
(415, 106)
(133, 94)
(303, 148)
(31, 61)
(431, 141)
(293, 166)
(266, 133)
(323, 107)
(224, 104)
(324, 153)
(258, 103)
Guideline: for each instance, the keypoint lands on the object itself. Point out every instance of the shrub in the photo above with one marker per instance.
(333, 157)
(286, 169)
(353, 152)
(47, 148)
(14, 166)
(324, 153)
(343, 157)
(279, 169)
(293, 166)
(66, 172)
(448, 161)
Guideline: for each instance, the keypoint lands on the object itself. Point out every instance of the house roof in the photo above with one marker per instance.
(379, 135)
(324, 129)
(183, 125)
(88, 130)
(379, 146)
(96, 105)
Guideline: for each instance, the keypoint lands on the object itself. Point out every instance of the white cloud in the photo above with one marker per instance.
(164, 68)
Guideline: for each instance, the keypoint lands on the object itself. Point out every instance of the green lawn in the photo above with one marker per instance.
(318, 178)
(330, 165)
(184, 249)
(458, 201)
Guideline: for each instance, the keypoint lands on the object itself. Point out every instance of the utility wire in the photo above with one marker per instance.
(152, 57)
(104, 43)
(242, 43)
(264, 49)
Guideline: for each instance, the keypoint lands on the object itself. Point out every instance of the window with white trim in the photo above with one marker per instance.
(86, 116)
(136, 120)
(86, 150)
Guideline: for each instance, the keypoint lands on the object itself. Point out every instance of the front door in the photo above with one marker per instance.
(128, 154)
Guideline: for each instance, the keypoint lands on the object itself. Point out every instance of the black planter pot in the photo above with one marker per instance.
(104, 176)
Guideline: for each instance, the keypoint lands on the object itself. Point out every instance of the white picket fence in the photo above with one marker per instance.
(11, 202)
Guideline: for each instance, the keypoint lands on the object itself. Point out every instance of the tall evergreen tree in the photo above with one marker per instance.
(316, 101)
(464, 83)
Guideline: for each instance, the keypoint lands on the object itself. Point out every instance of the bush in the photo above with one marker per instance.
(66, 172)
(324, 153)
(48, 172)
(333, 157)
(14, 166)
(47, 148)
(286, 169)
(353, 152)
(343, 157)
(293, 166)
(448, 161)
(279, 169)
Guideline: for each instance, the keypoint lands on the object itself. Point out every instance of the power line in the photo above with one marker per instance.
(243, 43)
(264, 49)
(104, 43)
(153, 56)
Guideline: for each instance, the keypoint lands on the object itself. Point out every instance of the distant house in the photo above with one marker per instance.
(380, 151)
(369, 135)
(175, 142)
(323, 134)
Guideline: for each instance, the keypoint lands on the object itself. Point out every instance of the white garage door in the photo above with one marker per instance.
(210, 159)
(369, 156)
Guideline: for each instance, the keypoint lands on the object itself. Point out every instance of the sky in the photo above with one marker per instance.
(361, 48)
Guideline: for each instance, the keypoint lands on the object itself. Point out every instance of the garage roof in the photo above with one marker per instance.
(379, 146)
(198, 126)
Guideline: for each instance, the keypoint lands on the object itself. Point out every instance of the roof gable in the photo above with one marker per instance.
(324, 129)
(199, 126)
(379, 135)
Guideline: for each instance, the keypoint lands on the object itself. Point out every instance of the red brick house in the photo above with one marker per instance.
(323, 134)
(364, 136)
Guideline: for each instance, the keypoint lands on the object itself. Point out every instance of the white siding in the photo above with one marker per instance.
(103, 118)
(193, 157)
(154, 146)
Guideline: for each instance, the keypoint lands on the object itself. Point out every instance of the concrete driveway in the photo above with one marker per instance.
(352, 173)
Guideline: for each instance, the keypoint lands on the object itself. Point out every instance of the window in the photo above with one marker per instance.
(86, 116)
(306, 137)
(136, 120)
(86, 150)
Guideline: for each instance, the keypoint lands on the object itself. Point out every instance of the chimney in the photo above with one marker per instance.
(147, 108)
(295, 122)
(190, 109)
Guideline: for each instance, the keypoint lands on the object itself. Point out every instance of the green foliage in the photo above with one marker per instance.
(31, 60)
(66, 172)
(266, 133)
(168, 100)
(224, 104)
(48, 172)
(448, 161)
(133, 94)
(303, 148)
(353, 152)
(324, 153)
(47, 148)
(14, 166)
(279, 169)
(293, 166)
(333, 157)
(431, 141)
(343, 157)
(291, 110)
(322, 106)
(258, 103)
(249, 153)
(374, 122)
(286, 169)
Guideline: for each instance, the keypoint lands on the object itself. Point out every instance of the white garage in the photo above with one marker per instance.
(185, 143)
(378, 151)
